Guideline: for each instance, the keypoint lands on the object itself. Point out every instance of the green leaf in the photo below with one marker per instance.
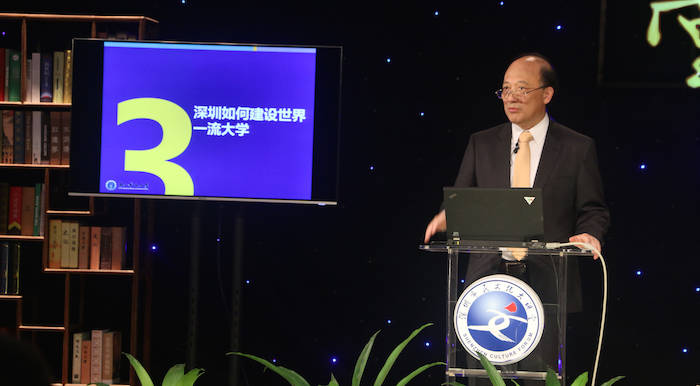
(453, 384)
(494, 376)
(333, 382)
(394, 355)
(552, 379)
(189, 378)
(173, 375)
(362, 361)
(581, 380)
(419, 370)
(517, 384)
(610, 382)
(290, 376)
(99, 384)
(140, 371)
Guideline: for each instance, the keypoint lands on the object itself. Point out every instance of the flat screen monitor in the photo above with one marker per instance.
(208, 121)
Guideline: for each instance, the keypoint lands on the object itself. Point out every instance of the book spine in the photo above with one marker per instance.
(55, 119)
(117, 356)
(36, 77)
(95, 239)
(28, 78)
(8, 134)
(59, 61)
(85, 361)
(28, 193)
(36, 223)
(4, 266)
(45, 138)
(68, 78)
(2, 74)
(65, 137)
(106, 248)
(73, 255)
(118, 247)
(18, 150)
(36, 137)
(14, 222)
(7, 75)
(4, 206)
(15, 77)
(28, 133)
(46, 78)
(55, 227)
(42, 211)
(84, 247)
(107, 357)
(65, 244)
(77, 356)
(96, 357)
(13, 270)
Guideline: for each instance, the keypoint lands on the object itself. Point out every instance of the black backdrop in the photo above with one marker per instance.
(324, 279)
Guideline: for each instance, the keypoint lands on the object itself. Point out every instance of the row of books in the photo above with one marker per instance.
(49, 76)
(36, 137)
(9, 268)
(72, 245)
(22, 209)
(96, 357)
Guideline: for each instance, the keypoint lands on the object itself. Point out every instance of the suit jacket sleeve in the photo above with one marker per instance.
(592, 217)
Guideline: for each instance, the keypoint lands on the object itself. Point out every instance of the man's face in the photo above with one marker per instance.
(529, 109)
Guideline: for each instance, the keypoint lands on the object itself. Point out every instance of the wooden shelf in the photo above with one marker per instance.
(91, 271)
(35, 104)
(42, 328)
(21, 238)
(10, 297)
(35, 166)
(69, 212)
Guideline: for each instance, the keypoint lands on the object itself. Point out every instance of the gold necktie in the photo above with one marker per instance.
(521, 167)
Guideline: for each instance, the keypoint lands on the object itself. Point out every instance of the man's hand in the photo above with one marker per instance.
(586, 238)
(438, 224)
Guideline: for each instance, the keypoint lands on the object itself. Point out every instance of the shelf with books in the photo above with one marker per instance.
(62, 300)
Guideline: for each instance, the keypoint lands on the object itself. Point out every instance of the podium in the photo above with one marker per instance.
(551, 268)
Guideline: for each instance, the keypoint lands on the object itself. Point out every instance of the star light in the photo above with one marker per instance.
(642, 166)
(437, 13)
(639, 273)
(334, 360)
(388, 60)
(388, 321)
(502, 3)
(558, 27)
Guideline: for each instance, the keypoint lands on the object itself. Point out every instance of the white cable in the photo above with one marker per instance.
(605, 297)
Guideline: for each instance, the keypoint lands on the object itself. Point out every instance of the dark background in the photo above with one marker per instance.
(322, 280)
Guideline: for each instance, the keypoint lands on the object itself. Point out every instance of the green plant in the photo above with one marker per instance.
(174, 377)
(551, 379)
(295, 379)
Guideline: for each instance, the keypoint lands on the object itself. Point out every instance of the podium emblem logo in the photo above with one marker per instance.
(501, 317)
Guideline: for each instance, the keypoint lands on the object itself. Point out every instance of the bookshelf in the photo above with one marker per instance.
(55, 303)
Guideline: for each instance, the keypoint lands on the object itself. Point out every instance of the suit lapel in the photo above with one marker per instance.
(550, 153)
(501, 152)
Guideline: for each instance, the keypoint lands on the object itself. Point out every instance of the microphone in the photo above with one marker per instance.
(517, 147)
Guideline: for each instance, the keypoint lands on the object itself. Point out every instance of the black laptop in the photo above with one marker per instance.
(494, 217)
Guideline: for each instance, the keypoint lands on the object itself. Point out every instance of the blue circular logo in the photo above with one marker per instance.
(501, 317)
(111, 185)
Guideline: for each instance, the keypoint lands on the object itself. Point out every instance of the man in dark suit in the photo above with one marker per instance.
(562, 162)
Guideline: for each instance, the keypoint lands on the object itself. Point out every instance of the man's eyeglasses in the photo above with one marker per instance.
(517, 93)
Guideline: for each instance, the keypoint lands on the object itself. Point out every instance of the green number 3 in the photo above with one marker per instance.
(177, 132)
